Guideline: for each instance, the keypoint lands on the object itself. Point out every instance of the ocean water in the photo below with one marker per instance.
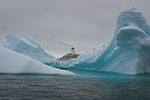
(85, 86)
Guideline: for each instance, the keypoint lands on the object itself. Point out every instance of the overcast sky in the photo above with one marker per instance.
(56, 24)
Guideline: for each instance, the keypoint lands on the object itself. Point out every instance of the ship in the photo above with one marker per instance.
(68, 56)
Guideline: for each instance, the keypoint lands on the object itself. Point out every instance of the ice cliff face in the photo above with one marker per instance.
(128, 50)
(28, 47)
(130, 16)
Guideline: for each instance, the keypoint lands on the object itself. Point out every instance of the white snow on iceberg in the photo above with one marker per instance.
(16, 63)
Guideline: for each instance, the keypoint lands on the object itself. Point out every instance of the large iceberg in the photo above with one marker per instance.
(128, 50)
(28, 47)
(15, 63)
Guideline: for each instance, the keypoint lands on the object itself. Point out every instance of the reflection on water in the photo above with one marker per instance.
(85, 86)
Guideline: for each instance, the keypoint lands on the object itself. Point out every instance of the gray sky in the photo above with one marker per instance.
(55, 24)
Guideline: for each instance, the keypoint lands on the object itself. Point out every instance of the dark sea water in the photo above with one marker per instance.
(85, 86)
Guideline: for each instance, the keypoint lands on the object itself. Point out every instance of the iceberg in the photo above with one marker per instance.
(126, 52)
(16, 63)
(28, 47)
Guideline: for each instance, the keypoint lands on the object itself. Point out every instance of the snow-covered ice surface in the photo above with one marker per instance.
(128, 50)
(15, 63)
(28, 47)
